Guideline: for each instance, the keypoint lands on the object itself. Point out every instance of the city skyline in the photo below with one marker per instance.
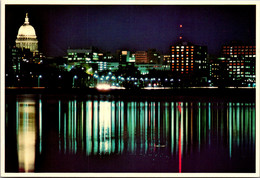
(132, 27)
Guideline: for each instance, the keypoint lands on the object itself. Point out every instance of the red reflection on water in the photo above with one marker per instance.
(179, 107)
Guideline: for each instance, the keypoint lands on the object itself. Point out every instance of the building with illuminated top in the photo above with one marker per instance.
(240, 63)
(26, 38)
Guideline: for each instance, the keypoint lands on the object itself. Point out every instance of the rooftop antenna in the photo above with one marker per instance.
(180, 37)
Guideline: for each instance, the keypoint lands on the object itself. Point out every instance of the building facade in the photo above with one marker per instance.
(141, 57)
(240, 63)
(26, 38)
(189, 61)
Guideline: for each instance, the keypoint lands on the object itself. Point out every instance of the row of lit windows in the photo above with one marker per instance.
(237, 66)
(235, 61)
(182, 70)
(238, 46)
(183, 53)
(236, 70)
(183, 50)
(215, 76)
(240, 50)
(182, 64)
(182, 67)
(182, 47)
(181, 59)
(241, 73)
(239, 53)
(243, 59)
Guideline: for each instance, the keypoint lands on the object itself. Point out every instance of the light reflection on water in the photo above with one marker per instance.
(26, 135)
(168, 129)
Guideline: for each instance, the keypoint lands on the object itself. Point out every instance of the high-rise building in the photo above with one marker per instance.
(240, 63)
(217, 71)
(141, 57)
(26, 37)
(153, 56)
(189, 59)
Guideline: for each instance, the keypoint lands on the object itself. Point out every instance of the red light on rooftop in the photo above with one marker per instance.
(180, 26)
(180, 37)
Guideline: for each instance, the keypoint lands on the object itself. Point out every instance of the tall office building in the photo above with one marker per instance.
(26, 37)
(240, 62)
(189, 59)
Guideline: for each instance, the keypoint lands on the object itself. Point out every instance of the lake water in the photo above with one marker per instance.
(105, 134)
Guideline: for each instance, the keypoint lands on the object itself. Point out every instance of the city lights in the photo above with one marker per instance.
(130, 88)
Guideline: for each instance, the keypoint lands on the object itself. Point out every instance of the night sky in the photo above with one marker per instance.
(132, 27)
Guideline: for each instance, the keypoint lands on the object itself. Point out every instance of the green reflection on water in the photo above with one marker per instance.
(40, 126)
(230, 130)
(59, 124)
(98, 127)
(114, 127)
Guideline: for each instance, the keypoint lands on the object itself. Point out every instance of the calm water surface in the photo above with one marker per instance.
(102, 134)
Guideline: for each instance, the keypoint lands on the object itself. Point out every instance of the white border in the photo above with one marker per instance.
(125, 2)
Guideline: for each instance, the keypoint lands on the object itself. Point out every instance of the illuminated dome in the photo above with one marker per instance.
(26, 30)
(26, 37)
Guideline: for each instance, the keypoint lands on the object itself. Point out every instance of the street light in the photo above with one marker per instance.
(39, 78)
(75, 77)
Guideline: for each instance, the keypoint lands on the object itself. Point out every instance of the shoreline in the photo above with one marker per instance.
(184, 94)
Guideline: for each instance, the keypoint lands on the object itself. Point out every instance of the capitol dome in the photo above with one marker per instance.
(26, 31)
(26, 37)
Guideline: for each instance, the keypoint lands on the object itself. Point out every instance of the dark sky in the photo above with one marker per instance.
(133, 27)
